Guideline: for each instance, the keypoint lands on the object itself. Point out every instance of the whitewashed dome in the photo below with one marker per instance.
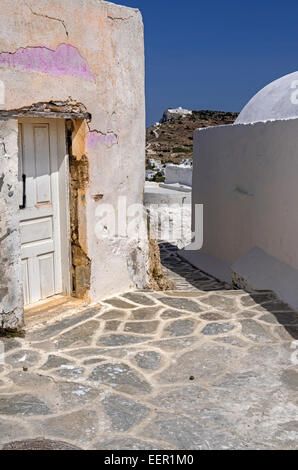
(278, 100)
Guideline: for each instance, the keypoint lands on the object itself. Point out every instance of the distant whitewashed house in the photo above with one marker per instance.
(175, 114)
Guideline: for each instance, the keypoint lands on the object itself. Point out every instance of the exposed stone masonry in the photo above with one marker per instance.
(79, 179)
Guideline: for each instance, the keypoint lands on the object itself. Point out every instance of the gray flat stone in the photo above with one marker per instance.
(10, 430)
(217, 328)
(265, 358)
(290, 379)
(80, 426)
(93, 361)
(171, 314)
(248, 313)
(121, 340)
(113, 315)
(123, 412)
(56, 328)
(118, 353)
(180, 328)
(138, 298)
(112, 325)
(80, 336)
(213, 316)
(23, 357)
(176, 344)
(118, 303)
(181, 304)
(196, 294)
(85, 352)
(10, 344)
(70, 372)
(291, 426)
(288, 333)
(55, 361)
(233, 341)
(179, 431)
(256, 332)
(186, 399)
(144, 327)
(126, 443)
(23, 404)
(221, 302)
(75, 394)
(238, 380)
(149, 360)
(269, 318)
(39, 444)
(145, 313)
(253, 300)
(121, 377)
(200, 364)
(28, 380)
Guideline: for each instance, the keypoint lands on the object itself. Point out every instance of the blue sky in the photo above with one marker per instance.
(214, 54)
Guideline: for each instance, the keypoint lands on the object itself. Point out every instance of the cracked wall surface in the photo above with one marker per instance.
(11, 300)
(91, 52)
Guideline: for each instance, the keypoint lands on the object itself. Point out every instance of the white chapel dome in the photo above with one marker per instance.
(278, 100)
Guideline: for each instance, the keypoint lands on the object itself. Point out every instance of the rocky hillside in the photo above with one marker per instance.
(172, 141)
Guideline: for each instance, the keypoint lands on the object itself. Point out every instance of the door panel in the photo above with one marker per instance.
(36, 230)
(43, 168)
(40, 219)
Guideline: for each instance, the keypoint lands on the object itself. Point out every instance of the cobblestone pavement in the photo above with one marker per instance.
(202, 367)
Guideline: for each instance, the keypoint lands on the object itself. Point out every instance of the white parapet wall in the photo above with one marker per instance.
(178, 174)
(170, 213)
(246, 177)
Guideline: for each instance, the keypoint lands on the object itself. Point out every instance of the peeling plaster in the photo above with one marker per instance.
(95, 137)
(65, 60)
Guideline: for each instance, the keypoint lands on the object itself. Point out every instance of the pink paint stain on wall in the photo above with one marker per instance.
(94, 138)
(65, 60)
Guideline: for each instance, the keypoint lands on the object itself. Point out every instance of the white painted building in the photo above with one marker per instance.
(246, 177)
(179, 174)
(71, 146)
(175, 114)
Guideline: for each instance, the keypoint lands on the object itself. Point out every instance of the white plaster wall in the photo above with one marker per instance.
(246, 177)
(11, 295)
(178, 174)
(109, 40)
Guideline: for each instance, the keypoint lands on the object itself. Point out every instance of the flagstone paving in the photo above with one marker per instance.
(202, 367)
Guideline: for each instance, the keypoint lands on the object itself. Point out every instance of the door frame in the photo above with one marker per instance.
(63, 243)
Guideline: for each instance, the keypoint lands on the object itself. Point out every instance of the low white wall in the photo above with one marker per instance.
(178, 174)
(170, 214)
(246, 176)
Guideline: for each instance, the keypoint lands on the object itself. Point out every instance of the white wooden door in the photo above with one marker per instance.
(40, 214)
